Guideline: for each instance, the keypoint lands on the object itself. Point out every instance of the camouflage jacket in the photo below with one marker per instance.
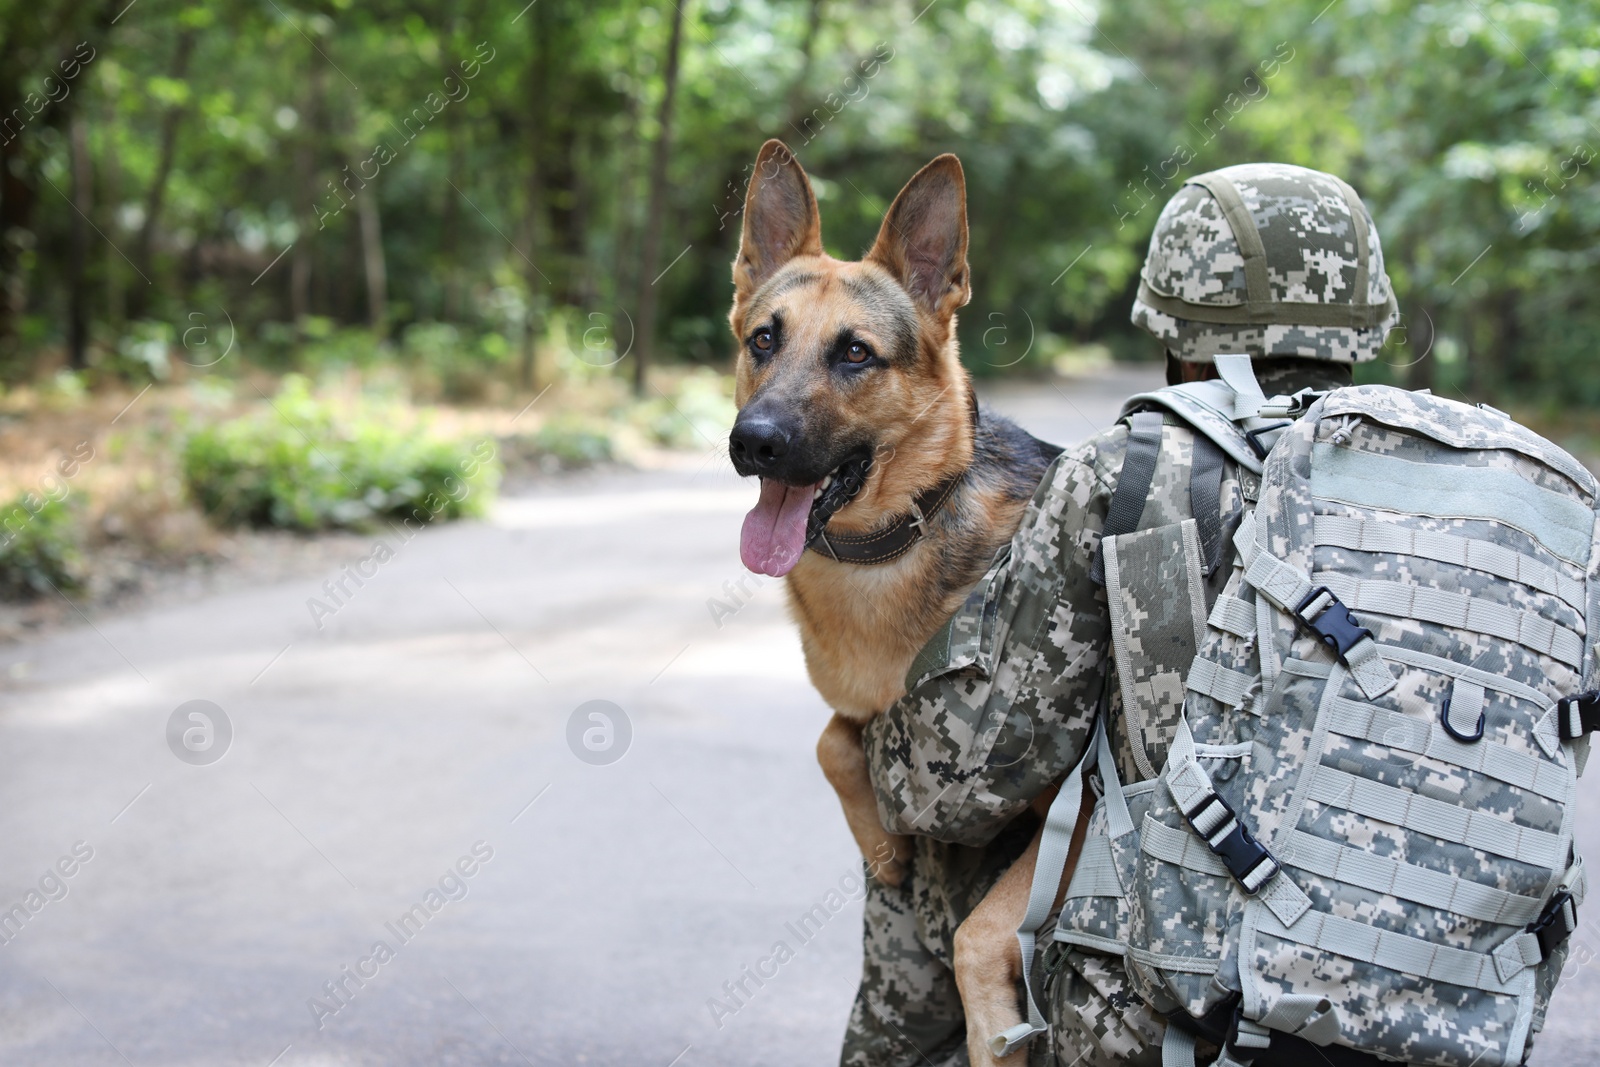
(1001, 703)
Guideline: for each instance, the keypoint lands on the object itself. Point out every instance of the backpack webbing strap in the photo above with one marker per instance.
(1133, 484)
(1177, 1048)
(1055, 843)
(1261, 420)
(1316, 610)
(1492, 972)
(1205, 501)
(1212, 818)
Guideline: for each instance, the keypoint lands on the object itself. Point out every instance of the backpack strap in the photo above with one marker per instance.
(1315, 609)
(1133, 484)
(1207, 408)
(1231, 411)
(1205, 501)
(1055, 843)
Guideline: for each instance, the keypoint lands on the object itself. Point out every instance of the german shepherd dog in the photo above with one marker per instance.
(855, 412)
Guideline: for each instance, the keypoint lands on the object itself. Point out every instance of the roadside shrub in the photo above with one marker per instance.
(40, 546)
(446, 362)
(574, 441)
(696, 411)
(309, 464)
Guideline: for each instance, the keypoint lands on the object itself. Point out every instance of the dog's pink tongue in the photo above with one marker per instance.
(774, 532)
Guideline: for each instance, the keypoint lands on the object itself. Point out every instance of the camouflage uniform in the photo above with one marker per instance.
(1002, 702)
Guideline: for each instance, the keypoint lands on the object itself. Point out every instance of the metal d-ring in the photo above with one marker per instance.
(1465, 739)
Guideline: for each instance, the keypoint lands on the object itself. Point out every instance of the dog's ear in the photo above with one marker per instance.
(780, 218)
(923, 240)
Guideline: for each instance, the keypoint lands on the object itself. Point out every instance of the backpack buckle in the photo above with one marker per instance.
(1555, 923)
(1247, 859)
(1578, 715)
(1255, 436)
(1332, 623)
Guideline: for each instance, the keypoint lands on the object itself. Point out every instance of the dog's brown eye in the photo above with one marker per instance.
(763, 339)
(857, 352)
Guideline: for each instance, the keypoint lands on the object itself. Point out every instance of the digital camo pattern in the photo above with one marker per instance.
(1197, 342)
(1096, 1021)
(972, 743)
(1011, 706)
(907, 1008)
(1157, 616)
(1461, 426)
(1309, 238)
(1326, 763)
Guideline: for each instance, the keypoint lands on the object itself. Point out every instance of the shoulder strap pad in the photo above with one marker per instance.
(1207, 408)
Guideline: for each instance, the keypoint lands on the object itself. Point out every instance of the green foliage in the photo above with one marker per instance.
(309, 464)
(497, 161)
(40, 546)
(447, 361)
(695, 411)
(573, 441)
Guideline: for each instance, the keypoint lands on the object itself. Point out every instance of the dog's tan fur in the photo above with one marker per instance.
(860, 627)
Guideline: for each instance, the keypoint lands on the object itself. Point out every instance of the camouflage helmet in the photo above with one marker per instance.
(1262, 258)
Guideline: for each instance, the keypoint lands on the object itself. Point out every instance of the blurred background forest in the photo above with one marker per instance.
(469, 203)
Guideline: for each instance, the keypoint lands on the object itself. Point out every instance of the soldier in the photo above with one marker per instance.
(1279, 262)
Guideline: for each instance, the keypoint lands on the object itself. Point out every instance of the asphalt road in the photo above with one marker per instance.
(425, 730)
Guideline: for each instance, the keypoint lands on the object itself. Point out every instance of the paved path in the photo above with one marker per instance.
(422, 732)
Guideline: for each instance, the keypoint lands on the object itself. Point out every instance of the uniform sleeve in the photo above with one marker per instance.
(1001, 702)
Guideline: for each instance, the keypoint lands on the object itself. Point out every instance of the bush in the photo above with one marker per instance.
(40, 547)
(447, 363)
(573, 441)
(696, 410)
(307, 464)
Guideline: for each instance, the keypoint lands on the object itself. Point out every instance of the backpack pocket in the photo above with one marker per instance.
(1428, 829)
(1155, 593)
(1185, 900)
(1095, 912)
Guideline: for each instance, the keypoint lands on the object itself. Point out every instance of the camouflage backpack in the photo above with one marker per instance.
(1361, 835)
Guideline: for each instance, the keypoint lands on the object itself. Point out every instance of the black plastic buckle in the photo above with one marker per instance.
(1333, 625)
(1588, 705)
(1546, 927)
(1239, 851)
(1255, 436)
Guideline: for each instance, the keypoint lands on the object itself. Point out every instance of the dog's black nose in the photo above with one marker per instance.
(758, 443)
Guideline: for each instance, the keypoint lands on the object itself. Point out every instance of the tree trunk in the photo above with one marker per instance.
(622, 281)
(539, 31)
(373, 262)
(644, 345)
(155, 196)
(450, 223)
(808, 44)
(78, 250)
(111, 200)
(17, 199)
(305, 165)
